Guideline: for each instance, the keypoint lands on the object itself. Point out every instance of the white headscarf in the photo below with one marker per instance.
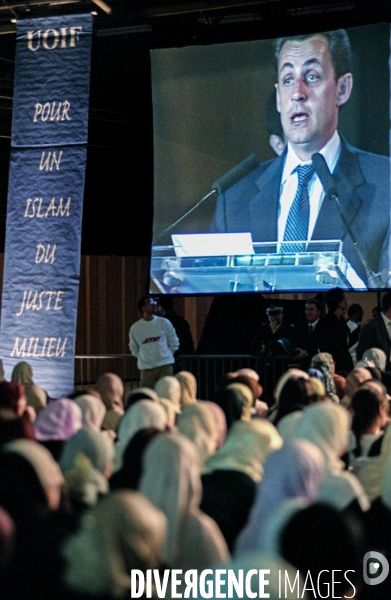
(246, 447)
(171, 480)
(93, 411)
(377, 357)
(141, 415)
(327, 426)
(188, 387)
(123, 532)
(294, 471)
(170, 388)
(371, 473)
(198, 424)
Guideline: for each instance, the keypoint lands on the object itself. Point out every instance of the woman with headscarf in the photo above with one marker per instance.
(294, 471)
(188, 387)
(371, 473)
(220, 422)
(370, 409)
(326, 425)
(86, 461)
(36, 396)
(375, 357)
(138, 394)
(320, 542)
(111, 390)
(141, 415)
(171, 480)
(324, 362)
(15, 422)
(57, 422)
(353, 382)
(197, 423)
(123, 532)
(236, 400)
(93, 411)
(30, 490)
(129, 474)
(170, 388)
(232, 474)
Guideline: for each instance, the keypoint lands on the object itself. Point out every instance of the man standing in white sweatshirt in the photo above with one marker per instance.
(153, 341)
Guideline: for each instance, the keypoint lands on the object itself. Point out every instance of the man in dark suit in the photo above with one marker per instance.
(333, 333)
(275, 202)
(266, 339)
(306, 335)
(376, 333)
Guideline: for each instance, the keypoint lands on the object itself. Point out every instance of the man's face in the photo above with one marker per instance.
(275, 318)
(149, 307)
(343, 304)
(308, 96)
(312, 313)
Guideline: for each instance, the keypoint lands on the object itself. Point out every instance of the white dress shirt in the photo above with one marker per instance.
(288, 187)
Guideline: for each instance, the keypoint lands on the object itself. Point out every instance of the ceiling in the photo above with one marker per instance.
(195, 17)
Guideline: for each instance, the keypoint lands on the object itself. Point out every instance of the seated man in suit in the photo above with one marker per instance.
(377, 332)
(283, 199)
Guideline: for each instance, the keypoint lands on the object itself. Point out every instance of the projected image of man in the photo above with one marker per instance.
(283, 199)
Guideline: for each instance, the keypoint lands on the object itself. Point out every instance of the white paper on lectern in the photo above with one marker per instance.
(213, 244)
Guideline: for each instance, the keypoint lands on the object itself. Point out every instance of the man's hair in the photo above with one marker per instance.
(354, 309)
(333, 297)
(316, 302)
(386, 302)
(141, 302)
(339, 48)
(273, 118)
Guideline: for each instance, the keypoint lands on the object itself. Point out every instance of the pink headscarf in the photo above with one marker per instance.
(59, 420)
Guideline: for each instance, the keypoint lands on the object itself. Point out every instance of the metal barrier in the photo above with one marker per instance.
(208, 370)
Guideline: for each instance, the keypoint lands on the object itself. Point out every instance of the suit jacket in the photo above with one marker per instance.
(363, 182)
(374, 335)
(307, 342)
(333, 335)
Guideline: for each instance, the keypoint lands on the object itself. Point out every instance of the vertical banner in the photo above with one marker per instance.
(45, 198)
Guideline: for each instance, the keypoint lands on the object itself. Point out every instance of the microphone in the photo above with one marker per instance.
(323, 172)
(236, 174)
(330, 189)
(218, 187)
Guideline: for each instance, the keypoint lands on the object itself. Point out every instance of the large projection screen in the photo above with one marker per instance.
(209, 113)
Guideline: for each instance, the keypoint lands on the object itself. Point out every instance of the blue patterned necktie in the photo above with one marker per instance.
(299, 214)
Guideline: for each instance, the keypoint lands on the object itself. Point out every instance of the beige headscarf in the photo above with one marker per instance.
(93, 411)
(43, 463)
(246, 447)
(326, 425)
(124, 531)
(197, 423)
(170, 388)
(371, 473)
(246, 397)
(171, 480)
(188, 387)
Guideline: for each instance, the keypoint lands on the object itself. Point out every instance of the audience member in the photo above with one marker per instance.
(36, 396)
(57, 422)
(188, 387)
(93, 411)
(333, 333)
(375, 333)
(111, 390)
(171, 480)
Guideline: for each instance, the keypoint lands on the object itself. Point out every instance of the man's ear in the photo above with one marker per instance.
(277, 98)
(345, 85)
(277, 144)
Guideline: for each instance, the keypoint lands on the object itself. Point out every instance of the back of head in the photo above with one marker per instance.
(59, 420)
(198, 424)
(141, 415)
(170, 388)
(333, 298)
(22, 373)
(111, 390)
(321, 540)
(326, 425)
(188, 387)
(123, 532)
(93, 411)
(295, 395)
(95, 445)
